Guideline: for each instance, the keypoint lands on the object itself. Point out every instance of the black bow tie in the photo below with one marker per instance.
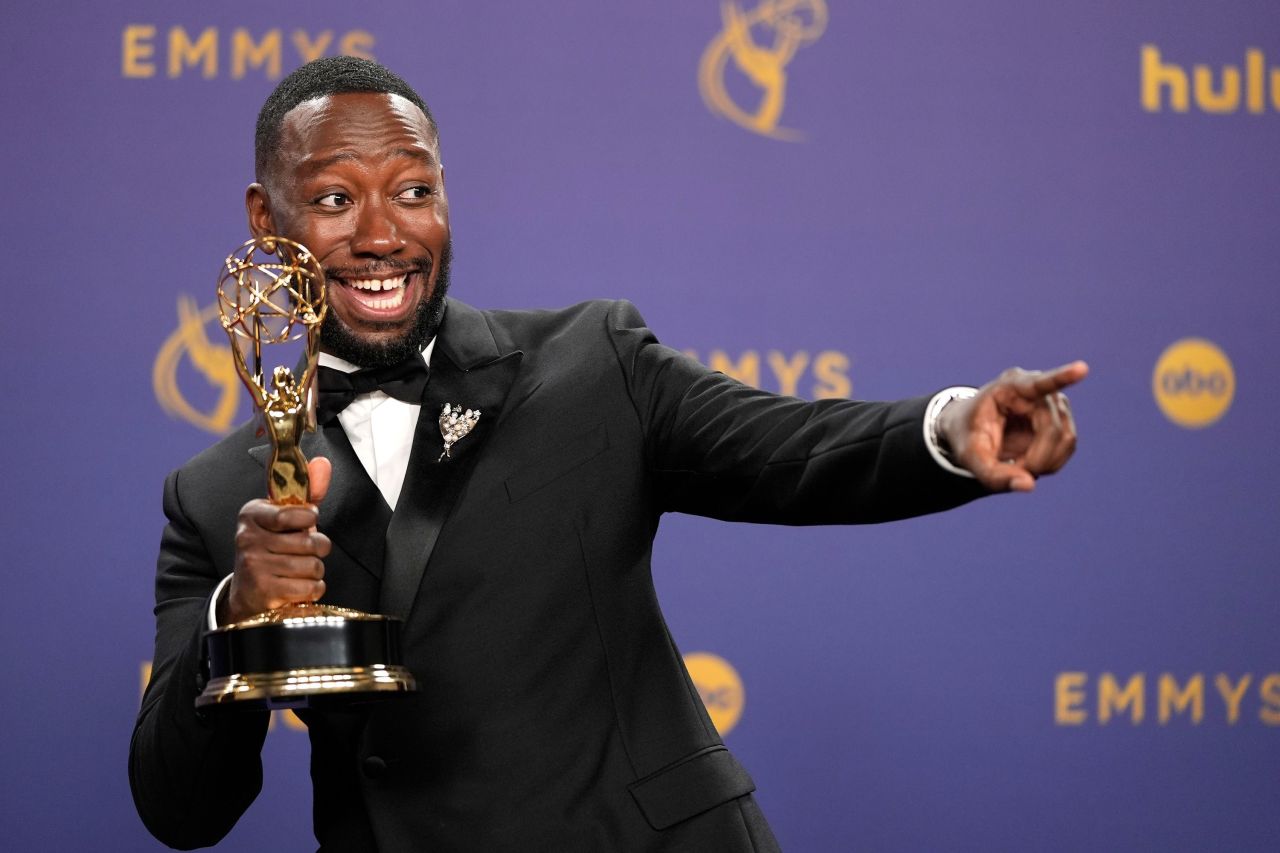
(404, 380)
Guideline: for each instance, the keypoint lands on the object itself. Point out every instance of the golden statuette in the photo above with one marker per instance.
(272, 291)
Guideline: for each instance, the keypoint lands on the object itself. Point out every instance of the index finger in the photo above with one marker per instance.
(1047, 382)
(280, 519)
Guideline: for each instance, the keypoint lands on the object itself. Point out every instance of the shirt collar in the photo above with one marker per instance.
(328, 360)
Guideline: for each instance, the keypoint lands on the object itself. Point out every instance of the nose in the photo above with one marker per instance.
(376, 231)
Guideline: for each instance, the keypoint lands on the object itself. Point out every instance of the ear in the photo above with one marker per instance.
(258, 207)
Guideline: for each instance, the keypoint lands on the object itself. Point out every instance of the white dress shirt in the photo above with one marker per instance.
(380, 429)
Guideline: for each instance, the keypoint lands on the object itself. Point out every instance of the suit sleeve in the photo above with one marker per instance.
(722, 449)
(192, 775)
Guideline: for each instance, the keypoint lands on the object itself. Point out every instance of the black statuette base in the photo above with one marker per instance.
(304, 662)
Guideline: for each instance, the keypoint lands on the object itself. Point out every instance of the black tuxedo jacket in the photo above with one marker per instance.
(553, 712)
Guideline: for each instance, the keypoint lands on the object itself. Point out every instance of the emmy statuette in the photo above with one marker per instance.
(272, 291)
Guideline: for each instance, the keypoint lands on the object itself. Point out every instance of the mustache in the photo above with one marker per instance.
(380, 269)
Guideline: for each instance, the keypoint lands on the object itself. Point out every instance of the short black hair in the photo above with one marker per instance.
(330, 75)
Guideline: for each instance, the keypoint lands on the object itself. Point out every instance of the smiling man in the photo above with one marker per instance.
(553, 710)
(357, 178)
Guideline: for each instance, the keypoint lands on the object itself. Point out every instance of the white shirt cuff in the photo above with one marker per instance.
(931, 413)
(213, 602)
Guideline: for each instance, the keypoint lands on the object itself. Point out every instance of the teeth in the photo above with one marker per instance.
(376, 284)
(385, 302)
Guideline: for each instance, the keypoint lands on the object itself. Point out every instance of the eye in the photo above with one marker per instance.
(333, 200)
(416, 193)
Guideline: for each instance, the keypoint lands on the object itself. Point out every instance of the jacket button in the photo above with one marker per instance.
(374, 767)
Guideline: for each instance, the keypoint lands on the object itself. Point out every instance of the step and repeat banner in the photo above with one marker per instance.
(821, 198)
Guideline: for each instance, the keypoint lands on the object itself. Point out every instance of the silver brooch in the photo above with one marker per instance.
(454, 425)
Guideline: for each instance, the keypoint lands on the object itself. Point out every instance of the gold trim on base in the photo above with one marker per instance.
(294, 687)
(305, 613)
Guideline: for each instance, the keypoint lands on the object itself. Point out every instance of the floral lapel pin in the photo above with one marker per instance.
(454, 426)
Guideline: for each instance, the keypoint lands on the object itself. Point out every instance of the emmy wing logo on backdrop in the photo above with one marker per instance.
(761, 44)
(189, 354)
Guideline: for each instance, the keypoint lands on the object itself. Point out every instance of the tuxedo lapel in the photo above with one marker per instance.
(353, 514)
(467, 369)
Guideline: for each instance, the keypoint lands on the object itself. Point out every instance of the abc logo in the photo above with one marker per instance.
(1193, 383)
(719, 686)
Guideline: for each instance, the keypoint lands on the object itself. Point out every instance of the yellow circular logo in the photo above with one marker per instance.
(719, 686)
(1193, 383)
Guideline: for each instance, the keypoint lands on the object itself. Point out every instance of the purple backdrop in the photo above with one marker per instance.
(978, 185)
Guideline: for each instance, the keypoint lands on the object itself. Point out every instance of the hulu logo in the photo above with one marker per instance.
(1223, 91)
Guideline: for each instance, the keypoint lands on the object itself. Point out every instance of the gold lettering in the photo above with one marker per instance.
(832, 370)
(1173, 700)
(1068, 705)
(245, 53)
(787, 370)
(746, 369)
(184, 52)
(357, 43)
(1275, 88)
(1269, 713)
(1231, 694)
(309, 50)
(146, 676)
(137, 50)
(1156, 75)
(1112, 699)
(1224, 101)
(1255, 74)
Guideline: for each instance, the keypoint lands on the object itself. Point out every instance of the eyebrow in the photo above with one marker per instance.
(311, 166)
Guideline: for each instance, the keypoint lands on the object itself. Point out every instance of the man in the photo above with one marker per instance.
(553, 711)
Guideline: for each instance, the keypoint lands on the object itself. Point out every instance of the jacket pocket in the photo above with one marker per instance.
(573, 451)
(691, 786)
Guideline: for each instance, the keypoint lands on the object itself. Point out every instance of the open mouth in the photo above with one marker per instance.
(379, 294)
(376, 297)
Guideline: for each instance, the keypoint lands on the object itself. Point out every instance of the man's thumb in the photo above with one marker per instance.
(319, 471)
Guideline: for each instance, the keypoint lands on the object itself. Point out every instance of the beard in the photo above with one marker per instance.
(337, 338)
